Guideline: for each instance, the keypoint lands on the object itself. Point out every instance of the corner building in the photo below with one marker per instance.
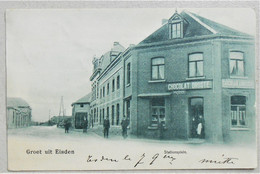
(190, 71)
(191, 79)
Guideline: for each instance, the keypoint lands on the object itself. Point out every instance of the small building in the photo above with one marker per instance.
(81, 111)
(18, 113)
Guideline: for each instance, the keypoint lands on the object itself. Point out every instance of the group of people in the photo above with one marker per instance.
(106, 126)
(124, 125)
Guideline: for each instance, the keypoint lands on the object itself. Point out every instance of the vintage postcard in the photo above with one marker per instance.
(131, 88)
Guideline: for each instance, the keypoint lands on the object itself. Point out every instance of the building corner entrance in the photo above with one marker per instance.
(196, 118)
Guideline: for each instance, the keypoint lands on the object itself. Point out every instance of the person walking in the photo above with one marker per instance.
(124, 124)
(67, 126)
(85, 125)
(106, 126)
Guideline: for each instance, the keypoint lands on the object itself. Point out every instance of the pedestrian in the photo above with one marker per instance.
(85, 126)
(124, 124)
(106, 126)
(67, 126)
(161, 129)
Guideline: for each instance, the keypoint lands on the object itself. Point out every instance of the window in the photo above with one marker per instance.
(103, 114)
(118, 82)
(128, 73)
(81, 105)
(176, 30)
(100, 93)
(157, 68)
(107, 88)
(238, 111)
(196, 65)
(128, 108)
(100, 116)
(107, 112)
(113, 114)
(113, 85)
(236, 63)
(157, 111)
(104, 91)
(117, 114)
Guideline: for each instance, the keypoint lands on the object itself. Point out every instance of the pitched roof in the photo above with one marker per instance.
(85, 99)
(194, 25)
(16, 102)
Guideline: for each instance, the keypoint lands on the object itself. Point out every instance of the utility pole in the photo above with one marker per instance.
(62, 110)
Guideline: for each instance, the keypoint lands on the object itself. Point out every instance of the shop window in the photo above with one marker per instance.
(113, 85)
(238, 111)
(176, 30)
(196, 65)
(118, 82)
(236, 63)
(157, 68)
(128, 73)
(158, 112)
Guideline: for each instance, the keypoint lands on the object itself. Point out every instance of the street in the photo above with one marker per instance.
(49, 148)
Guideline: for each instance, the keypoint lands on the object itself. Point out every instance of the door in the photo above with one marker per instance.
(196, 118)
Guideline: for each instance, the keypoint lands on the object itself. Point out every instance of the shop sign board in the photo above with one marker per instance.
(190, 85)
(237, 83)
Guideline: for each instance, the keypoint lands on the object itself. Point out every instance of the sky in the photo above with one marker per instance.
(49, 52)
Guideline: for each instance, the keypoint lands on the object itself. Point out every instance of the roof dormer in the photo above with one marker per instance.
(175, 25)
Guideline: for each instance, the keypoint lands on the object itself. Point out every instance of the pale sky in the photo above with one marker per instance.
(50, 51)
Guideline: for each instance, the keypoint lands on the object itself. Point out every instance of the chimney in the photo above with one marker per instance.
(116, 43)
(164, 21)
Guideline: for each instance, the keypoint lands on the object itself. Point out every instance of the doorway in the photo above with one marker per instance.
(196, 118)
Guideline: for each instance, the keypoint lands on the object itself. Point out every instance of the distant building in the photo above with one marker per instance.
(81, 111)
(59, 120)
(18, 113)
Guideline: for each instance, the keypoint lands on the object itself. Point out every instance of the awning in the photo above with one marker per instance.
(165, 94)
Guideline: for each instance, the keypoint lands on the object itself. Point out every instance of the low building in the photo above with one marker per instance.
(81, 111)
(18, 113)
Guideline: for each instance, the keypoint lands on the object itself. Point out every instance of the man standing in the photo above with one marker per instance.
(67, 126)
(85, 125)
(106, 126)
(124, 124)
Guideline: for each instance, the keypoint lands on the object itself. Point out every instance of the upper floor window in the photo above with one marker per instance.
(113, 85)
(118, 82)
(236, 63)
(157, 68)
(238, 111)
(104, 91)
(100, 93)
(107, 88)
(176, 30)
(128, 73)
(81, 105)
(196, 65)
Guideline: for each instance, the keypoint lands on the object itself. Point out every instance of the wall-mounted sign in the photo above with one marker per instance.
(237, 83)
(190, 85)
